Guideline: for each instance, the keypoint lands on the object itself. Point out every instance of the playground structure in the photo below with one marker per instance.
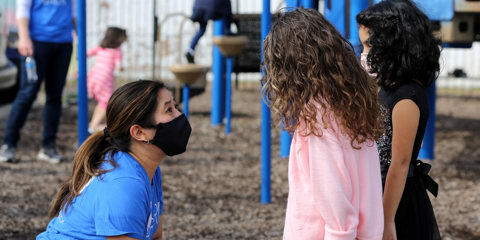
(229, 46)
(185, 73)
(138, 21)
(457, 21)
(217, 181)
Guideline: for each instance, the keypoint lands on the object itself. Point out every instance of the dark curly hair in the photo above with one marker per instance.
(308, 63)
(403, 46)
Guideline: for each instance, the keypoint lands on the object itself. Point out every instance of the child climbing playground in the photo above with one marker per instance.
(203, 11)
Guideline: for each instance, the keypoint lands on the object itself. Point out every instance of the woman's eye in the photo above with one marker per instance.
(169, 110)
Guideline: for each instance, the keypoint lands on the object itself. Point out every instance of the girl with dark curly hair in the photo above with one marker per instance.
(316, 85)
(402, 54)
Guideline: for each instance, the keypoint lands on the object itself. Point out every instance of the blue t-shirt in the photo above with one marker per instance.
(51, 21)
(119, 202)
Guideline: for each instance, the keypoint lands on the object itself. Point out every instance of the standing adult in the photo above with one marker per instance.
(45, 31)
(203, 11)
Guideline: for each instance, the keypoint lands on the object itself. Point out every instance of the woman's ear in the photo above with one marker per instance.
(138, 133)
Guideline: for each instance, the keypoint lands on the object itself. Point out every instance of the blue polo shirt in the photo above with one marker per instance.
(119, 202)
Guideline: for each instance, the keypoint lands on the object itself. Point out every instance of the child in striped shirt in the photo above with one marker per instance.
(100, 80)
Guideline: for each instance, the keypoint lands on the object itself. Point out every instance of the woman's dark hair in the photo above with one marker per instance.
(133, 103)
(308, 63)
(403, 46)
(114, 37)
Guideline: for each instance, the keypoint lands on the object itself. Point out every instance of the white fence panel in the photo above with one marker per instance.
(137, 17)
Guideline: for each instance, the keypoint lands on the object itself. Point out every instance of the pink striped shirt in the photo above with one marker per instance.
(335, 191)
(106, 60)
(100, 82)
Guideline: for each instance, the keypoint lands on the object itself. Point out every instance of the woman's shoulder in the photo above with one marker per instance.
(126, 167)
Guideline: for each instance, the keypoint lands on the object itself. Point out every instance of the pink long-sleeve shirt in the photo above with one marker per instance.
(335, 191)
(100, 82)
(106, 61)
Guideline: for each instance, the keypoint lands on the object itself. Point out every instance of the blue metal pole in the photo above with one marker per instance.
(308, 3)
(228, 95)
(186, 95)
(82, 72)
(292, 4)
(285, 142)
(218, 85)
(355, 7)
(285, 137)
(335, 13)
(266, 118)
(427, 150)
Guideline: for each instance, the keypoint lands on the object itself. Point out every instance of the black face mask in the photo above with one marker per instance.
(172, 137)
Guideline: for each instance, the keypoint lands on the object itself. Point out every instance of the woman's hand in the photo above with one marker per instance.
(389, 232)
(25, 47)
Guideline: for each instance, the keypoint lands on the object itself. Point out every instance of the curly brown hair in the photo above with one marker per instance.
(308, 63)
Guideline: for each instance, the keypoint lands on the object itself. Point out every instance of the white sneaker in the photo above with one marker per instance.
(7, 154)
(49, 154)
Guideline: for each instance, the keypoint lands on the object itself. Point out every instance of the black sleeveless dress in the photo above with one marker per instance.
(415, 219)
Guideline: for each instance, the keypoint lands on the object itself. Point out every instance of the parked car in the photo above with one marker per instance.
(8, 69)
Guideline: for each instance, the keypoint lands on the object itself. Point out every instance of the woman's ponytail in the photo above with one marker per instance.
(86, 165)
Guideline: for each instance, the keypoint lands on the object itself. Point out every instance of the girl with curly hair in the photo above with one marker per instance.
(316, 85)
(402, 54)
